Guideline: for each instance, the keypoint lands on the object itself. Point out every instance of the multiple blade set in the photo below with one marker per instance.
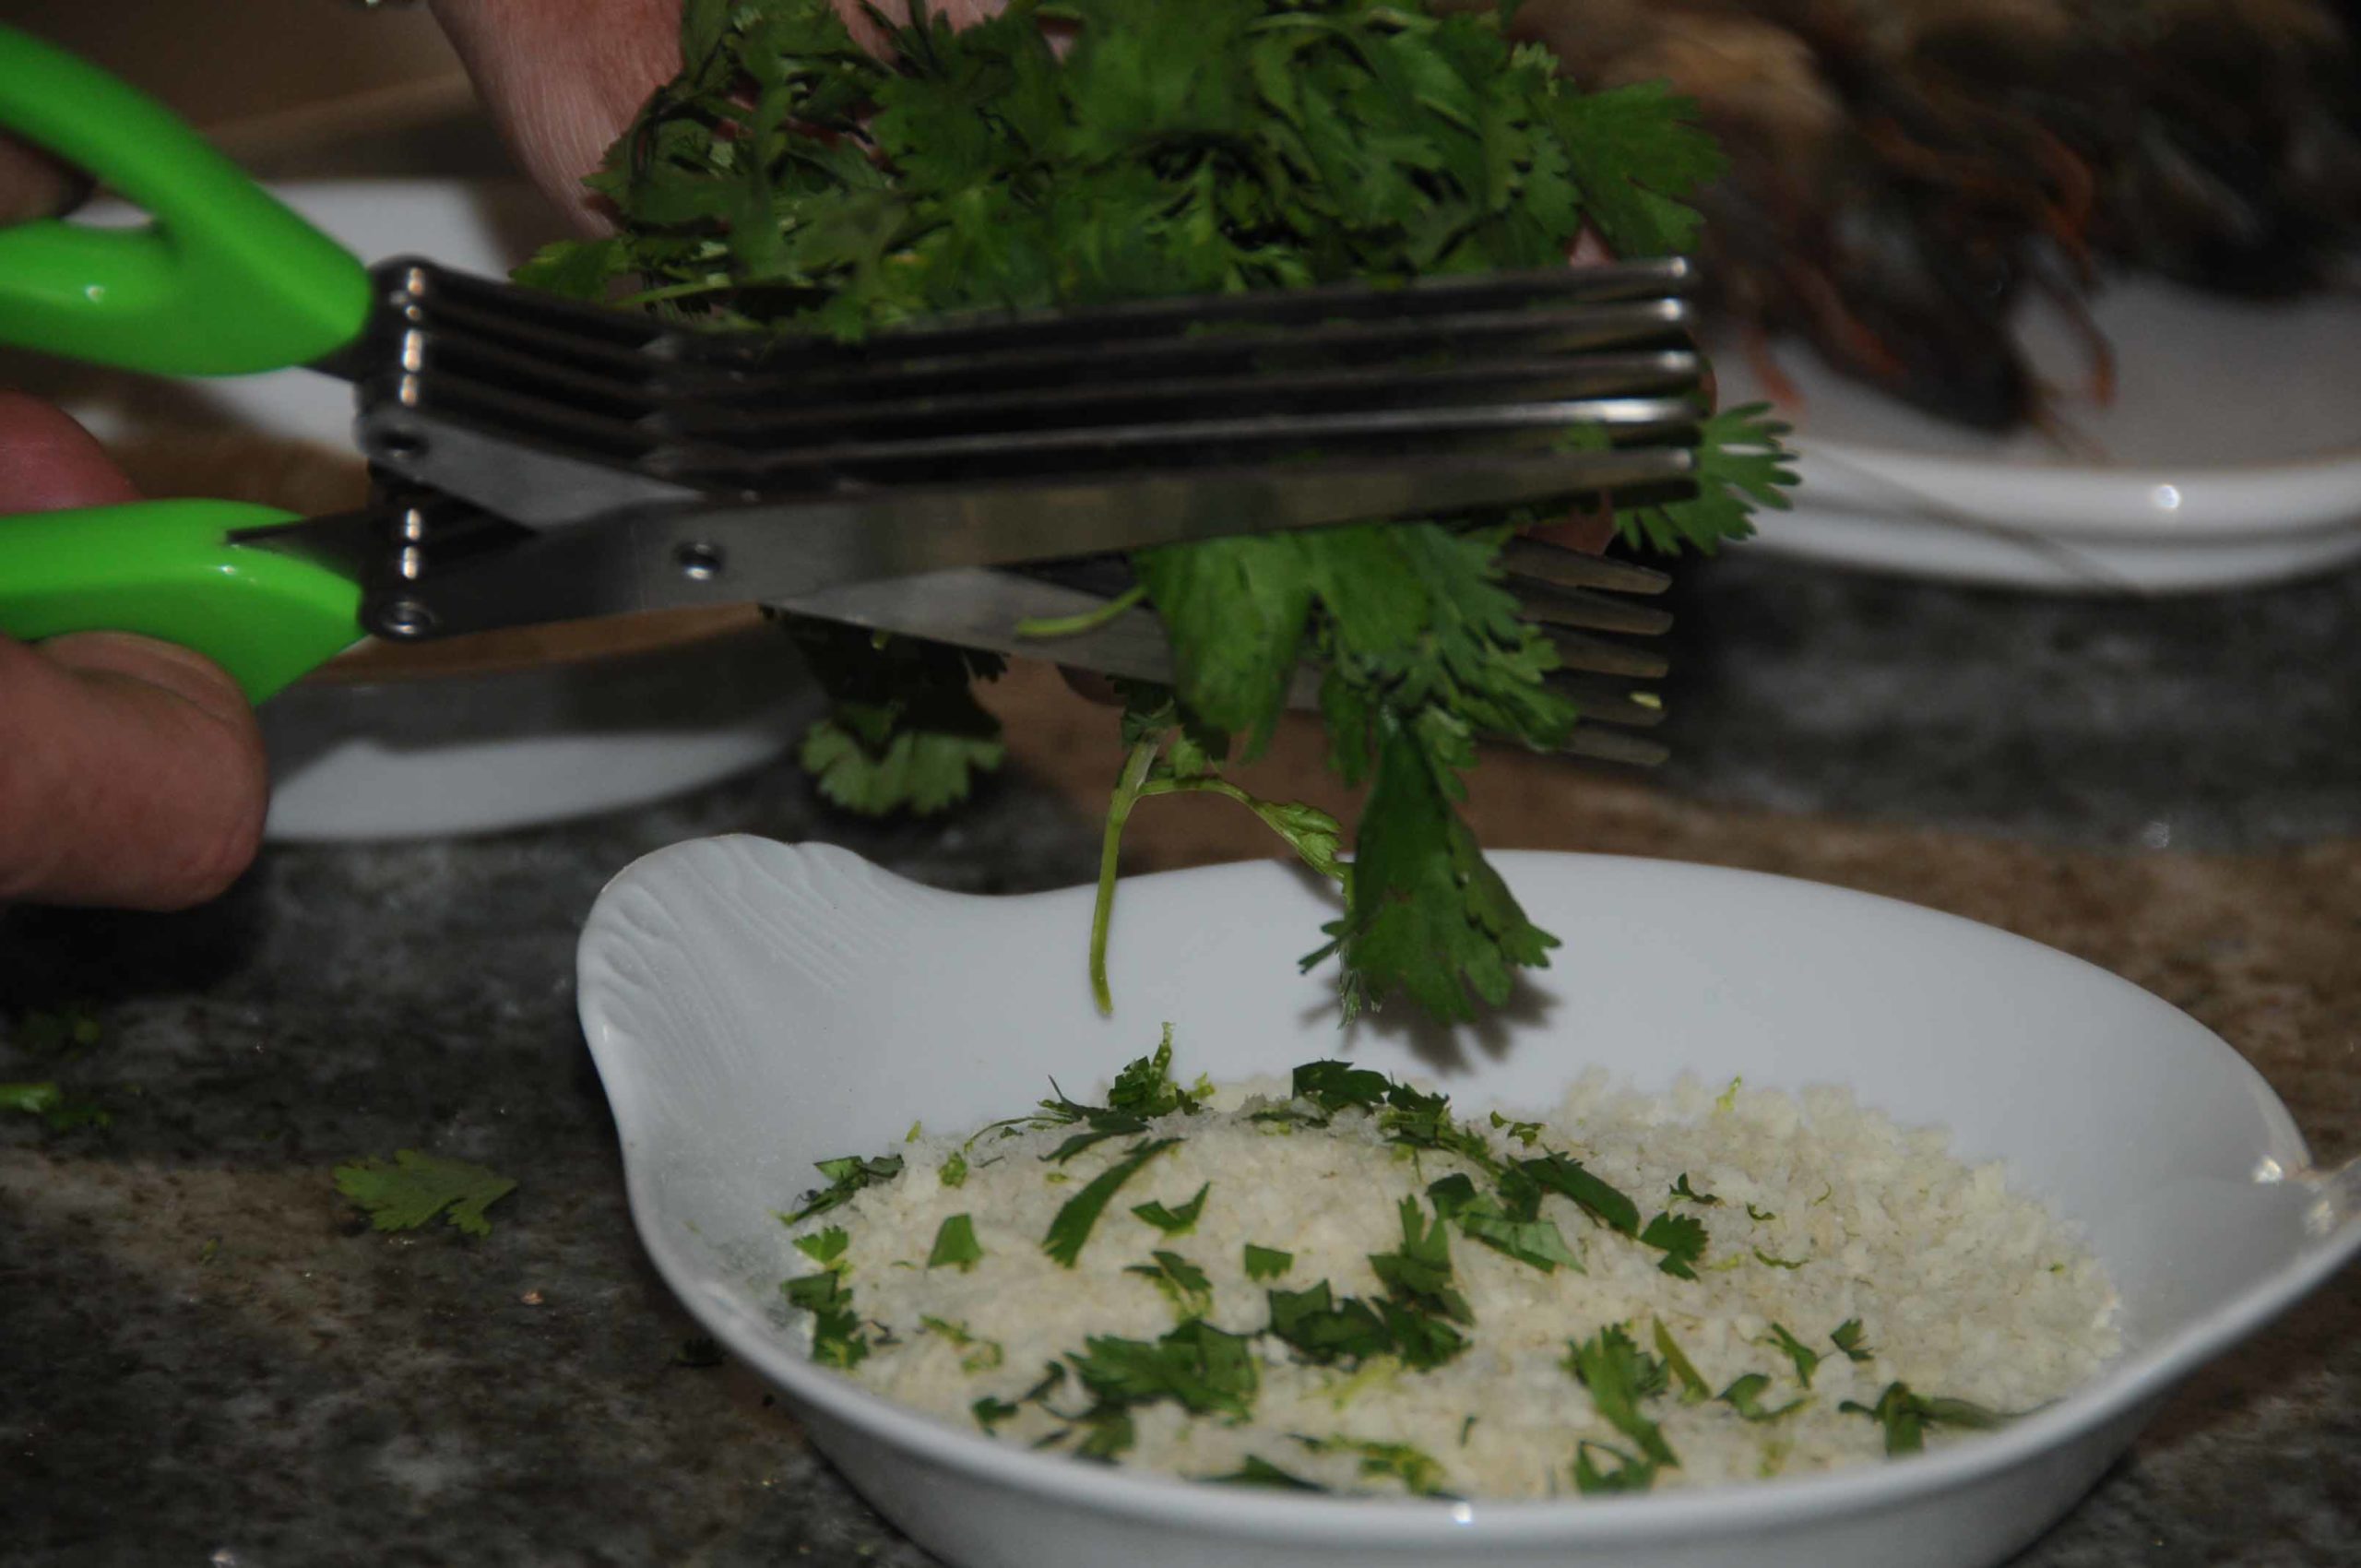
(540, 460)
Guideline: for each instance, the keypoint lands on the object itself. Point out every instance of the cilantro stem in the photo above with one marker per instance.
(1110, 844)
(1089, 621)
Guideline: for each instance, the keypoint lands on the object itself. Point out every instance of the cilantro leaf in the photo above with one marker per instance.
(1806, 1360)
(954, 1171)
(1846, 1337)
(1421, 1473)
(1175, 1221)
(1681, 1238)
(846, 1174)
(1419, 1274)
(1267, 1262)
(1536, 1241)
(1681, 1189)
(1631, 1473)
(1693, 1387)
(1763, 1257)
(1745, 1396)
(825, 1248)
(956, 1245)
(1182, 1283)
(1339, 1085)
(903, 734)
(1606, 1204)
(1071, 1227)
(1618, 1374)
(836, 1338)
(1326, 1330)
(1255, 1471)
(413, 1188)
(1907, 1416)
(1197, 1366)
(991, 1412)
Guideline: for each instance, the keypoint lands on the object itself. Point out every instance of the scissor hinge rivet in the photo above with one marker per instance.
(405, 618)
(699, 562)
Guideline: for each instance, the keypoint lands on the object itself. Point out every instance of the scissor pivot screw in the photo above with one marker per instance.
(699, 562)
(405, 619)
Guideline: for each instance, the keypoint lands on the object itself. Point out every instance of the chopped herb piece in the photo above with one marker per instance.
(912, 1135)
(1340, 1085)
(1618, 1374)
(1267, 1262)
(1846, 1337)
(983, 1355)
(1694, 1390)
(1424, 1121)
(1631, 1473)
(1529, 1241)
(1728, 1099)
(990, 1412)
(825, 1248)
(1326, 1330)
(1681, 1189)
(1104, 1124)
(1105, 1434)
(1421, 1473)
(837, 1340)
(1745, 1396)
(1681, 1238)
(1761, 1257)
(1182, 1282)
(1760, 1216)
(956, 1245)
(1525, 1132)
(1175, 1221)
(1465, 1428)
(413, 1188)
(846, 1174)
(1907, 1416)
(954, 1171)
(1144, 1087)
(1419, 1275)
(1071, 1229)
(1257, 1471)
(1601, 1201)
(1197, 1366)
(1806, 1360)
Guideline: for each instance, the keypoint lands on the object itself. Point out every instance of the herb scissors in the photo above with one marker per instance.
(536, 460)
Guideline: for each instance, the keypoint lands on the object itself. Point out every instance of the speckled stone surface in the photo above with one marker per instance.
(206, 1356)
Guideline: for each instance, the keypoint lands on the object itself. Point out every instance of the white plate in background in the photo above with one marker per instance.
(437, 756)
(2230, 455)
(755, 1007)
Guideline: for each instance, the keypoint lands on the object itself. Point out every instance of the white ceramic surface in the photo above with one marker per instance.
(460, 755)
(2230, 455)
(755, 1007)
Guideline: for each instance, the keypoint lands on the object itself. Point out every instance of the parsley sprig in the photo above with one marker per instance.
(784, 179)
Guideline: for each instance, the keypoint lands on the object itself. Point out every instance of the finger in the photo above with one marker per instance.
(563, 78)
(131, 772)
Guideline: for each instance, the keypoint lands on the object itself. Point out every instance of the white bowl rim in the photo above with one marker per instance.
(1689, 1513)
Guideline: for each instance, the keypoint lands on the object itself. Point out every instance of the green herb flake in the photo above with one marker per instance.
(1846, 1337)
(1421, 1474)
(954, 1173)
(1604, 1203)
(1681, 1189)
(1536, 1241)
(983, 1355)
(956, 1245)
(1631, 1473)
(1525, 1133)
(1760, 1216)
(1907, 1416)
(413, 1188)
(1071, 1229)
(1182, 1283)
(1267, 1263)
(1618, 1374)
(1762, 1257)
(991, 1412)
(846, 1174)
(1175, 1221)
(1681, 1238)
(1806, 1360)
(1694, 1390)
(836, 1338)
(825, 1248)
(1197, 1366)
(1256, 1471)
(1745, 1395)
(1145, 1086)
(1419, 1274)
(1340, 1085)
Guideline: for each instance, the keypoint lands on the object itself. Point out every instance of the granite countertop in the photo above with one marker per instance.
(206, 1357)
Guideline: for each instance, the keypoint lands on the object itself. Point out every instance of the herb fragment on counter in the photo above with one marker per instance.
(58, 1111)
(1907, 1416)
(1806, 1360)
(1267, 1263)
(1071, 1229)
(846, 1174)
(1847, 1337)
(1681, 1238)
(1175, 1221)
(956, 1245)
(784, 179)
(1618, 1374)
(412, 1188)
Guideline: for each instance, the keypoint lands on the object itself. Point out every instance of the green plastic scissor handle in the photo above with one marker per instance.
(223, 281)
(166, 569)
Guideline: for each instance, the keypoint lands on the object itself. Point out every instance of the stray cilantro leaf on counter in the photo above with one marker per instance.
(1846, 1337)
(1071, 1229)
(412, 1188)
(784, 179)
(1267, 1263)
(1618, 1375)
(1806, 1360)
(1175, 1221)
(1907, 1416)
(1256, 1471)
(1681, 1238)
(1745, 1396)
(956, 1245)
(1681, 1189)
(846, 1174)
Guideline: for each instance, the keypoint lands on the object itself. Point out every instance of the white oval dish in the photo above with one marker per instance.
(2230, 455)
(755, 1007)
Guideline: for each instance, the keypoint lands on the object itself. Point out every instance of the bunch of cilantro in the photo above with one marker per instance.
(786, 179)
